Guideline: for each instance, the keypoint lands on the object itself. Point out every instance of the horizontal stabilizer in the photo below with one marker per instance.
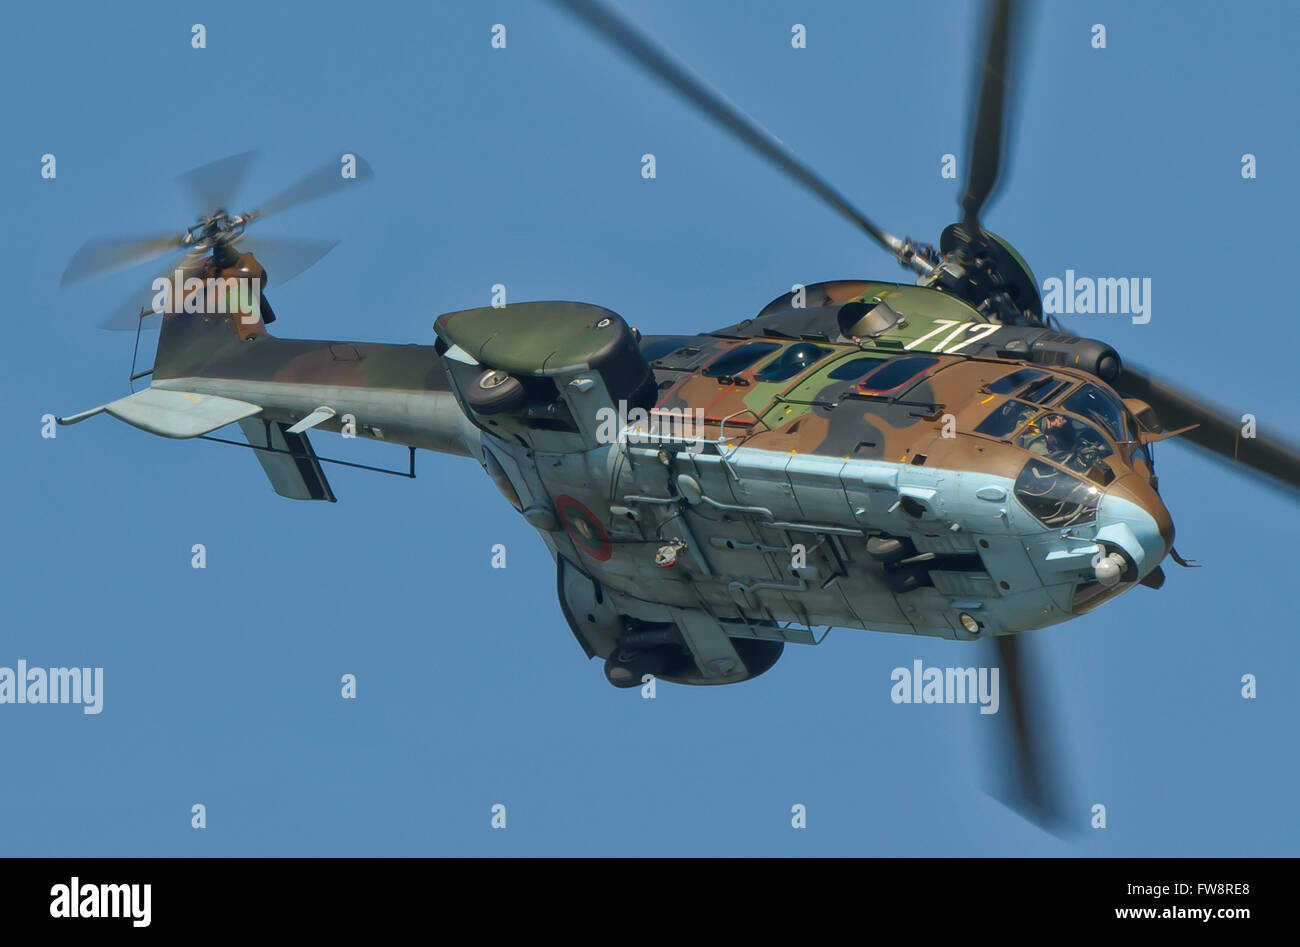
(290, 462)
(172, 413)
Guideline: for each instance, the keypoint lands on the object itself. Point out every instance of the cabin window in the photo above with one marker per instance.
(854, 368)
(793, 361)
(739, 359)
(896, 373)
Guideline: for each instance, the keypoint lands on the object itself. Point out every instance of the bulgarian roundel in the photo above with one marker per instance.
(583, 526)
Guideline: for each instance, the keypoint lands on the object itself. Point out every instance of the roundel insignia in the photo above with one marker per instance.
(583, 526)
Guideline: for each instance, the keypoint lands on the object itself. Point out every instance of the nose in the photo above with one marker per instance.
(1132, 516)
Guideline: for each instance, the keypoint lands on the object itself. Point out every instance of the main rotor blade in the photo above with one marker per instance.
(1270, 459)
(214, 186)
(320, 183)
(97, 257)
(283, 259)
(1028, 769)
(988, 134)
(716, 106)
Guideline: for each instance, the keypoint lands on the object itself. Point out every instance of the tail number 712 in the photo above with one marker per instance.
(975, 332)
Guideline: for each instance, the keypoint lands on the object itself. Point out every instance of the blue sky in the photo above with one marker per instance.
(522, 166)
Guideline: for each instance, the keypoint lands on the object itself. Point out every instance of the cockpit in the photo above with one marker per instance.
(1079, 428)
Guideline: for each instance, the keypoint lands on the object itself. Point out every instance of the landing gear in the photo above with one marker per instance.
(625, 667)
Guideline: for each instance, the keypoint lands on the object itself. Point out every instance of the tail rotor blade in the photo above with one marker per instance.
(126, 317)
(283, 259)
(322, 182)
(97, 257)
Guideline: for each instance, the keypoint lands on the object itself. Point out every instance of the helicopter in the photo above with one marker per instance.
(938, 457)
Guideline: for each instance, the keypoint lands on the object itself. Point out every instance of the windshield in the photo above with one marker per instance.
(1069, 442)
(1095, 404)
(1056, 498)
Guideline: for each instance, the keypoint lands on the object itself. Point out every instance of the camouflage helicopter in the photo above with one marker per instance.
(932, 458)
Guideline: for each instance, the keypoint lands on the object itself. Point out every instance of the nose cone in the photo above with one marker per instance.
(1132, 516)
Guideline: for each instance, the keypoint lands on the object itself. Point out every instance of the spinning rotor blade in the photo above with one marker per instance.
(1269, 459)
(718, 108)
(1028, 775)
(988, 134)
(320, 183)
(97, 257)
(214, 186)
(126, 316)
(283, 259)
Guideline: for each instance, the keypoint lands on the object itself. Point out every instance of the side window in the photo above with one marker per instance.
(739, 358)
(1005, 418)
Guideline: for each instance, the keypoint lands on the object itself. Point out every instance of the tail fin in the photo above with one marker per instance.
(231, 310)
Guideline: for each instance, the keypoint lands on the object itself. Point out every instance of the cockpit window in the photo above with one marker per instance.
(1070, 443)
(1010, 384)
(1055, 498)
(1005, 418)
(740, 358)
(792, 361)
(1095, 404)
(896, 373)
(1045, 389)
(854, 368)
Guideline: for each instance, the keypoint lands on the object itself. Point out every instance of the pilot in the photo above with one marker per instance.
(1054, 437)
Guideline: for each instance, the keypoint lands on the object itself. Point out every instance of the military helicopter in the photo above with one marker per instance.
(933, 458)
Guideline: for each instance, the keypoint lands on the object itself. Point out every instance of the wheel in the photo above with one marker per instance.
(626, 666)
(495, 392)
(887, 549)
